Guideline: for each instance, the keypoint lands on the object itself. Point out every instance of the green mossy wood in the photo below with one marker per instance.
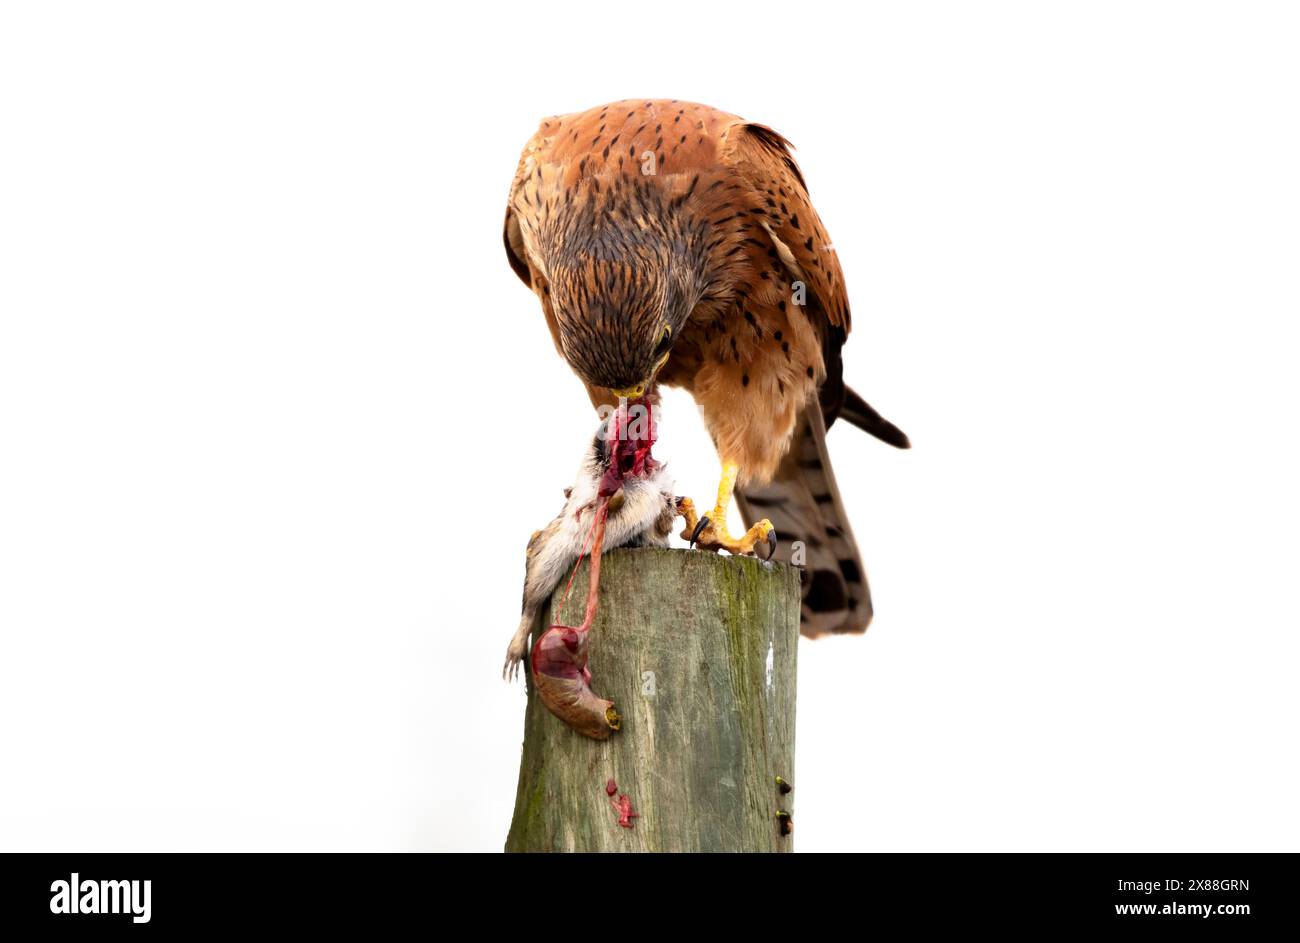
(697, 651)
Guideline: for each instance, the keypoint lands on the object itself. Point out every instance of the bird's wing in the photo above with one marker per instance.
(802, 500)
(762, 157)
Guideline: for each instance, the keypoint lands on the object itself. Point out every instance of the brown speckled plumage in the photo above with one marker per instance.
(652, 227)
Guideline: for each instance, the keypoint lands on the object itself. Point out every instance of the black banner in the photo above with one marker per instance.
(148, 893)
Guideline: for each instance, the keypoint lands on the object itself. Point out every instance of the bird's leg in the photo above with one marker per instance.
(710, 532)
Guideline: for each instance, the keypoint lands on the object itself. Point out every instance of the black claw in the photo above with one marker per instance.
(783, 786)
(699, 529)
(771, 545)
(784, 822)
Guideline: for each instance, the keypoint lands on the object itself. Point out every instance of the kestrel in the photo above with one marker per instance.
(671, 243)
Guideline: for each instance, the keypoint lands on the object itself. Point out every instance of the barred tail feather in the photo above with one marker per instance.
(803, 503)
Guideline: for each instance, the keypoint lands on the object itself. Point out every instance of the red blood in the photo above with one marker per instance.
(559, 660)
(559, 656)
(611, 787)
(623, 806)
(631, 434)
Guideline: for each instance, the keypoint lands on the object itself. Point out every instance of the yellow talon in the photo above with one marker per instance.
(710, 533)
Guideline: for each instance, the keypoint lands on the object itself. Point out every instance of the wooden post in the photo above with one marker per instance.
(697, 651)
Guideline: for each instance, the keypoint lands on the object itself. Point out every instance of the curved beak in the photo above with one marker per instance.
(634, 392)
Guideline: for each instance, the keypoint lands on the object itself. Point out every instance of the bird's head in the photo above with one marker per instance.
(618, 317)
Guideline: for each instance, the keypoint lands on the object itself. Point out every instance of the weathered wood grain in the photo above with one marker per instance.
(698, 653)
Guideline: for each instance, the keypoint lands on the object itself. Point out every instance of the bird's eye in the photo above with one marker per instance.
(665, 342)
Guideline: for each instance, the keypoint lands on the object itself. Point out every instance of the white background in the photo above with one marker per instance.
(262, 516)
